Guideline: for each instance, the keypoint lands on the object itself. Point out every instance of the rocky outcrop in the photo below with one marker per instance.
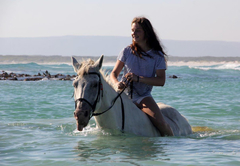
(26, 77)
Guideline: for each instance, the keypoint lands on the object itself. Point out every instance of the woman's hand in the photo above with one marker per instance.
(132, 77)
(121, 85)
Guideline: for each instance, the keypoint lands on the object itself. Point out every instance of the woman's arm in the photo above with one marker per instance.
(115, 73)
(159, 80)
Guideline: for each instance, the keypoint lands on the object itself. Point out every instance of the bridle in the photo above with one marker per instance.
(93, 106)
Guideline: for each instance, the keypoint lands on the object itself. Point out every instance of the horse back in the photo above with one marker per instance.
(178, 122)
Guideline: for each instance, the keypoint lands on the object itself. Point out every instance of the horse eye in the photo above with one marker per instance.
(75, 84)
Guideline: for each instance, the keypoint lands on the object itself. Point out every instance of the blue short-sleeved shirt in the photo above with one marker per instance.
(145, 67)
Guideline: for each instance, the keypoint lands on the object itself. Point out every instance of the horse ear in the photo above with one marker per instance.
(99, 62)
(75, 64)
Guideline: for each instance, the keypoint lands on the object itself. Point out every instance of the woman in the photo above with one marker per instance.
(144, 66)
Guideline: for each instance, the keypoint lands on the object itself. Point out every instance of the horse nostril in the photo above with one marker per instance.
(86, 114)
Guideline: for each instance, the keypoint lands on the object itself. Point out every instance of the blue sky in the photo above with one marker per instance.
(172, 19)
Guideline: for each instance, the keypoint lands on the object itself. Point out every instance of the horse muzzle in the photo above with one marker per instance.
(82, 118)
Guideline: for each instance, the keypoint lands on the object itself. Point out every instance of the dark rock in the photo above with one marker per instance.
(173, 76)
(12, 78)
(5, 74)
(27, 77)
(32, 79)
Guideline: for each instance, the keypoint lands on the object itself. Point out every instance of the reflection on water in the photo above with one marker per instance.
(120, 148)
(102, 146)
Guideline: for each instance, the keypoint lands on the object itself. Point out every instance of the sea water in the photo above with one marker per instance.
(37, 126)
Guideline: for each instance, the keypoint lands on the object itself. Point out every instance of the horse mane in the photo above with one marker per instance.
(88, 65)
(85, 67)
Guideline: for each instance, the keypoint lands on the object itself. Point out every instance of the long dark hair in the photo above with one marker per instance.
(151, 38)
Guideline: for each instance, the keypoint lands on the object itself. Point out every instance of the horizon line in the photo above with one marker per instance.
(196, 40)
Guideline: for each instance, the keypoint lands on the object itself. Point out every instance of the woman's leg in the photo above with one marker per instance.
(150, 107)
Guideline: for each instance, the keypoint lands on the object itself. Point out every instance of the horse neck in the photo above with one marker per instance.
(108, 94)
(109, 119)
(113, 118)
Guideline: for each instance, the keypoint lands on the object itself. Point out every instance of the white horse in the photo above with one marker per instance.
(95, 96)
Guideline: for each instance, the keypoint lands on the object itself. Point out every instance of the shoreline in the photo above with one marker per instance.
(111, 60)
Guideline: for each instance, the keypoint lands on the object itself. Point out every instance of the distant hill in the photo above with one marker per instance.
(110, 46)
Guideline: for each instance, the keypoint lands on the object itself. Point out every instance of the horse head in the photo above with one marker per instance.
(87, 87)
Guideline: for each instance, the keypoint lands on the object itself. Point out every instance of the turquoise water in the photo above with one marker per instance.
(37, 125)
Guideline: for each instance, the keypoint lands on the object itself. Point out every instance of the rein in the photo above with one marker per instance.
(98, 98)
